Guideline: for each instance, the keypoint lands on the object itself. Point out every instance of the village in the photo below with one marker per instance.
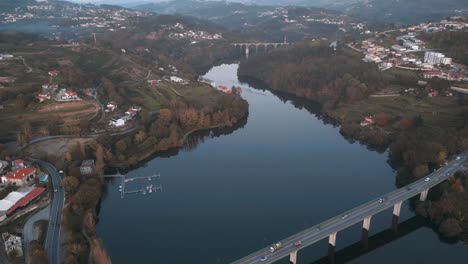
(86, 16)
(26, 189)
(410, 53)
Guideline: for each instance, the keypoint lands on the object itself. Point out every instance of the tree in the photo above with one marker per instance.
(27, 131)
(165, 116)
(420, 170)
(100, 160)
(121, 146)
(70, 184)
(37, 253)
(450, 227)
(68, 156)
(20, 103)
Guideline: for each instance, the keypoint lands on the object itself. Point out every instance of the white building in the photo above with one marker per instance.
(410, 45)
(176, 79)
(13, 244)
(120, 121)
(398, 48)
(436, 58)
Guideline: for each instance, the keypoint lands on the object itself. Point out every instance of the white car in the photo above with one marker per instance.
(458, 158)
(55, 190)
(427, 179)
(344, 216)
(263, 258)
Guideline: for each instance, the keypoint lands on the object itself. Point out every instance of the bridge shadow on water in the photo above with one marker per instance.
(357, 250)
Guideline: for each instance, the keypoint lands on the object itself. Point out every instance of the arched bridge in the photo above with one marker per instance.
(258, 44)
(363, 213)
(248, 45)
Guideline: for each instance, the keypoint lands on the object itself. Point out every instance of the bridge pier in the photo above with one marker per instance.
(396, 215)
(365, 231)
(293, 257)
(331, 247)
(423, 195)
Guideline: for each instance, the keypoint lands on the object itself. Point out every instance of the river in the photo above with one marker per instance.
(283, 171)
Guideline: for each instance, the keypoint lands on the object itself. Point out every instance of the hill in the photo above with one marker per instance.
(258, 22)
(407, 12)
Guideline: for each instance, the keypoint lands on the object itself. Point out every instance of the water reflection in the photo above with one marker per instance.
(357, 250)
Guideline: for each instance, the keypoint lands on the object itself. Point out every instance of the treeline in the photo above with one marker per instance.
(83, 194)
(170, 128)
(455, 42)
(316, 72)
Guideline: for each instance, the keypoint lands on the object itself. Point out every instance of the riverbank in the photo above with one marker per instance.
(285, 170)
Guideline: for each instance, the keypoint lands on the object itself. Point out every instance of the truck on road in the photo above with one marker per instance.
(275, 247)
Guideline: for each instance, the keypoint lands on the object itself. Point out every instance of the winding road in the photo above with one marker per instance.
(52, 243)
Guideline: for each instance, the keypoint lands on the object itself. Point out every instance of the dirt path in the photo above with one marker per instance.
(57, 147)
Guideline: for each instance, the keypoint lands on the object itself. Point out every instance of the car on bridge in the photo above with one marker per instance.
(298, 243)
(344, 216)
(427, 179)
(263, 258)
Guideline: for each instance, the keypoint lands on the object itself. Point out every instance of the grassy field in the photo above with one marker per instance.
(436, 112)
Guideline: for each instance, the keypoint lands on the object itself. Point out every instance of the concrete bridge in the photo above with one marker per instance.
(361, 214)
(248, 45)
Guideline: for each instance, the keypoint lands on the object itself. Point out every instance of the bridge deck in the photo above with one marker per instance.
(355, 215)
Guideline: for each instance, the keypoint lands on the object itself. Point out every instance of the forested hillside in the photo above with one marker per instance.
(314, 71)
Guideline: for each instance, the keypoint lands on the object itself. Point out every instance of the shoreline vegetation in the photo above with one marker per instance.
(420, 132)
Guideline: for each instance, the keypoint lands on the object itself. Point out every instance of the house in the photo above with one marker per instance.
(152, 82)
(53, 73)
(133, 110)
(432, 74)
(176, 79)
(367, 121)
(46, 87)
(120, 121)
(67, 95)
(87, 167)
(3, 166)
(111, 106)
(17, 164)
(21, 176)
(13, 244)
(42, 97)
(224, 89)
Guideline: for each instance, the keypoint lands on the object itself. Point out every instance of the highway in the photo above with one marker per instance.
(52, 242)
(355, 215)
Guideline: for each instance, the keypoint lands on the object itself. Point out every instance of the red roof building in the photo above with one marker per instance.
(21, 176)
(26, 199)
(53, 73)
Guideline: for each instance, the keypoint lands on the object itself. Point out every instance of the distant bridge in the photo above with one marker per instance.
(248, 45)
(361, 214)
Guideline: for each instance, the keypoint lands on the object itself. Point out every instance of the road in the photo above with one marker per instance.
(28, 230)
(52, 243)
(356, 215)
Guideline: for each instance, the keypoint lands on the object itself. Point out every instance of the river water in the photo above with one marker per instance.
(284, 170)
